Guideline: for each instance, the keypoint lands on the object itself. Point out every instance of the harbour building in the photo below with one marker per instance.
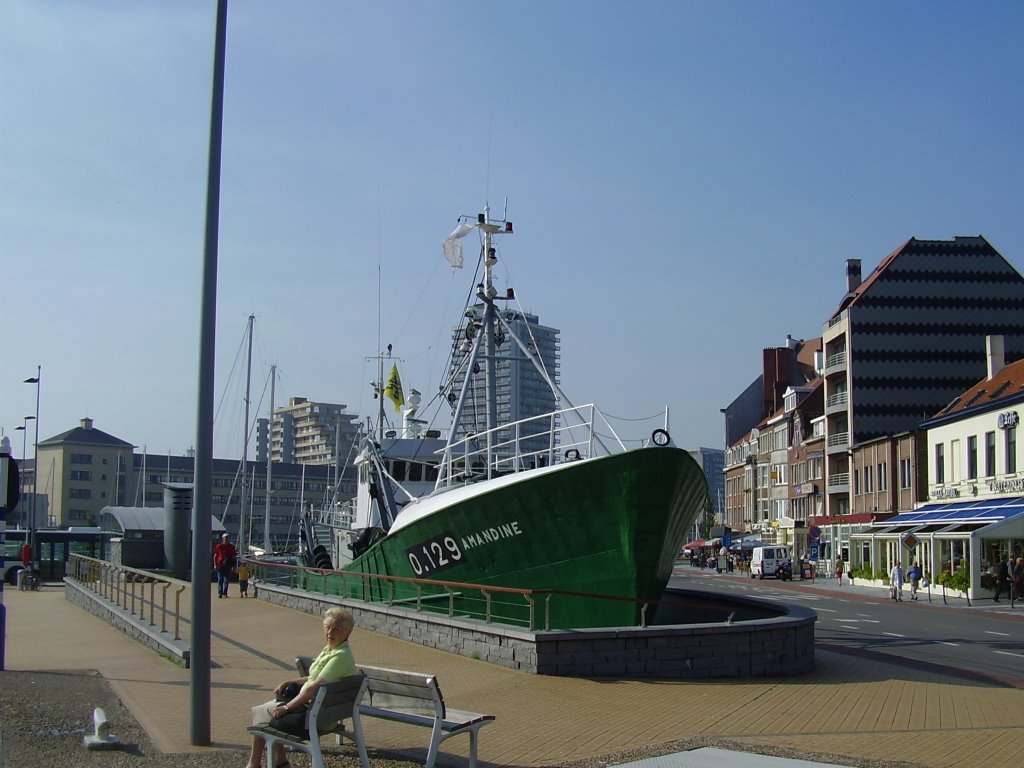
(85, 470)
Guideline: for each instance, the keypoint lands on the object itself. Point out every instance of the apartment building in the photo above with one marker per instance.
(307, 432)
(902, 344)
(749, 488)
(521, 389)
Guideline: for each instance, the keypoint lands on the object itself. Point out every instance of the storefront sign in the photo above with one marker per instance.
(1007, 420)
(946, 493)
(1002, 486)
(807, 489)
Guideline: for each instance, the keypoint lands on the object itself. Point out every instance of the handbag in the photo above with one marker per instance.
(289, 692)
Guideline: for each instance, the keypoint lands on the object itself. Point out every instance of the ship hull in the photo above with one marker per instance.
(608, 527)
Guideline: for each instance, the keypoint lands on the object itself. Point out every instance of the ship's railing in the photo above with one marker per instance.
(149, 596)
(568, 434)
(534, 609)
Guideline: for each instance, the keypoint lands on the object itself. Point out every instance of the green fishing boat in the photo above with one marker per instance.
(542, 504)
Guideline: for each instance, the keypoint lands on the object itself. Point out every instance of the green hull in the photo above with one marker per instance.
(608, 526)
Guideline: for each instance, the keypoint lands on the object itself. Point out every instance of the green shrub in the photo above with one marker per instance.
(863, 572)
(959, 580)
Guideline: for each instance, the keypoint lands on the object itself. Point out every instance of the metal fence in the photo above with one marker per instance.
(146, 595)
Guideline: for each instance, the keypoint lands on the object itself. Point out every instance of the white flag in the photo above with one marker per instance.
(453, 245)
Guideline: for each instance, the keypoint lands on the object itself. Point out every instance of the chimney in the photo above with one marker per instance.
(87, 423)
(852, 275)
(994, 354)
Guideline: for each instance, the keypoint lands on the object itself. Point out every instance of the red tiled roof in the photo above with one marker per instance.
(1007, 383)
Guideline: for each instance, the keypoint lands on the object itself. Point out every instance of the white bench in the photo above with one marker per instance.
(332, 704)
(415, 699)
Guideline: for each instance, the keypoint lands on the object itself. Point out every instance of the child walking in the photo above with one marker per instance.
(243, 579)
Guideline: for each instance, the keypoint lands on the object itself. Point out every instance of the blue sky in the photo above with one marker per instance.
(686, 180)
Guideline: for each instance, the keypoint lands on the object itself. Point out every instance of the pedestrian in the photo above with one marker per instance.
(839, 571)
(1002, 579)
(287, 710)
(243, 579)
(896, 582)
(1017, 581)
(224, 555)
(914, 577)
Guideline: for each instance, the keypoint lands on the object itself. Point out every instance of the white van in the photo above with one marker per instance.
(764, 560)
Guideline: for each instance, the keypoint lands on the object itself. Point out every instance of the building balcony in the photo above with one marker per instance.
(839, 482)
(838, 442)
(835, 363)
(837, 402)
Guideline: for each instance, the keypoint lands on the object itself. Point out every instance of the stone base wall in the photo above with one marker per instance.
(779, 646)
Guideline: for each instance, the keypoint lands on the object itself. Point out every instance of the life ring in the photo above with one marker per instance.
(660, 437)
(572, 454)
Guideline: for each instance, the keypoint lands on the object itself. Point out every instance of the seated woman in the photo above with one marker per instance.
(334, 662)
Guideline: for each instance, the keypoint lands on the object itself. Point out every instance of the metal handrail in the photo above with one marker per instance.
(110, 581)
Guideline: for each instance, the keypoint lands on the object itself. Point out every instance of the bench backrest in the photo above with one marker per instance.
(334, 701)
(409, 691)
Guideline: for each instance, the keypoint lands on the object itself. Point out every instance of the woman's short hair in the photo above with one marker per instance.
(340, 616)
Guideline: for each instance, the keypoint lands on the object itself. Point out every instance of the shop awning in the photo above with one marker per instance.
(1001, 517)
(976, 512)
(746, 545)
(695, 544)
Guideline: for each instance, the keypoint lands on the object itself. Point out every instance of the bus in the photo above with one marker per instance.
(53, 549)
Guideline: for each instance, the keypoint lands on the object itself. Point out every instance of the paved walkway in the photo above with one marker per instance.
(849, 707)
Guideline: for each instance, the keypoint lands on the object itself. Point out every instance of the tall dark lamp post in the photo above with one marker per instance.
(35, 468)
(24, 436)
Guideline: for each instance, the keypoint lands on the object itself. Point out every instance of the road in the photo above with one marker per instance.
(984, 639)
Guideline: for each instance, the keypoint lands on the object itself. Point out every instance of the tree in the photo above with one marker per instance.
(707, 518)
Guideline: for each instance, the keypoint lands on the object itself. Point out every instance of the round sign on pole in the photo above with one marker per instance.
(814, 533)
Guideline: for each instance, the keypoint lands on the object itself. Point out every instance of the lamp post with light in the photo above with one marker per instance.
(24, 449)
(35, 468)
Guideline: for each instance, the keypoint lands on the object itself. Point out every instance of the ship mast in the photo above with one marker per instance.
(486, 293)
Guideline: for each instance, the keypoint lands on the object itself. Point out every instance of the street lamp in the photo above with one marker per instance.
(24, 435)
(35, 467)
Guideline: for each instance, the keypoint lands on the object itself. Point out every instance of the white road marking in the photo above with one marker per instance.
(827, 610)
(943, 642)
(893, 634)
(1000, 634)
(1008, 653)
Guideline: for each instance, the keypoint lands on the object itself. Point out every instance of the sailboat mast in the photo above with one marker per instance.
(243, 531)
(270, 434)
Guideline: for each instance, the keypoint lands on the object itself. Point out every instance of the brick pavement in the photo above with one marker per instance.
(849, 707)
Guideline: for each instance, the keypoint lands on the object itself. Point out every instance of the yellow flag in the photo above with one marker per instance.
(393, 389)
